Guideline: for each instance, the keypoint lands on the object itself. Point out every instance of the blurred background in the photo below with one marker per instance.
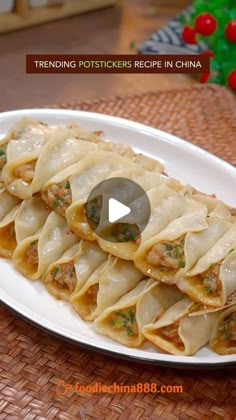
(105, 26)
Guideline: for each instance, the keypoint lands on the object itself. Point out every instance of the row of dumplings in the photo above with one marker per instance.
(180, 270)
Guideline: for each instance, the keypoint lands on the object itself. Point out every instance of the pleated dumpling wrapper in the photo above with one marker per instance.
(26, 142)
(81, 211)
(65, 147)
(34, 254)
(125, 320)
(113, 279)
(146, 178)
(178, 333)
(72, 186)
(162, 251)
(223, 211)
(223, 338)
(213, 278)
(22, 221)
(7, 203)
(122, 239)
(216, 207)
(148, 163)
(21, 128)
(69, 274)
(8, 234)
(32, 214)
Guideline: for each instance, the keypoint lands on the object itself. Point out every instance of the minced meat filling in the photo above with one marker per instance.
(228, 328)
(171, 333)
(92, 293)
(8, 240)
(3, 155)
(93, 211)
(210, 280)
(58, 197)
(11, 230)
(64, 275)
(32, 253)
(125, 319)
(26, 171)
(125, 232)
(167, 255)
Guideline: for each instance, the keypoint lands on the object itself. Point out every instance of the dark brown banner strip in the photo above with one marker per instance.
(117, 64)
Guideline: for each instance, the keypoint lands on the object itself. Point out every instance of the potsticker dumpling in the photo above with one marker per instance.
(8, 234)
(163, 254)
(68, 191)
(34, 254)
(32, 214)
(213, 277)
(21, 222)
(122, 236)
(223, 338)
(123, 239)
(69, 274)
(113, 279)
(65, 147)
(125, 320)
(148, 163)
(22, 127)
(178, 333)
(24, 147)
(7, 203)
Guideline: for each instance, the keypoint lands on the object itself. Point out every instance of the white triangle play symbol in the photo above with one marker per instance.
(116, 210)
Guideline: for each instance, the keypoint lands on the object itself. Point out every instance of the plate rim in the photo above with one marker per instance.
(122, 356)
(168, 138)
(122, 121)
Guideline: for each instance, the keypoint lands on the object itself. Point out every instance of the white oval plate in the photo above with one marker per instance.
(182, 160)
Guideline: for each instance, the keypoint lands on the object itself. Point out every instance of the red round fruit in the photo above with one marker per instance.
(204, 77)
(230, 31)
(231, 79)
(189, 35)
(205, 24)
(208, 52)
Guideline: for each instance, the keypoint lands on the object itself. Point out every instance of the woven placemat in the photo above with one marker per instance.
(33, 362)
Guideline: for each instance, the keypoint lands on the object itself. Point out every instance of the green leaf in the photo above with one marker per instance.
(67, 186)
(181, 264)
(55, 271)
(207, 289)
(56, 203)
(118, 323)
(129, 330)
(177, 251)
(121, 314)
(132, 315)
(2, 152)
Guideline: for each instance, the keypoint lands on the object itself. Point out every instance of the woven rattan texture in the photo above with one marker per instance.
(32, 362)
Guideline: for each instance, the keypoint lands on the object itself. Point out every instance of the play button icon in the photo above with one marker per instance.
(117, 210)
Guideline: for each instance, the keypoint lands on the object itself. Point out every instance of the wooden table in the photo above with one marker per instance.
(107, 31)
